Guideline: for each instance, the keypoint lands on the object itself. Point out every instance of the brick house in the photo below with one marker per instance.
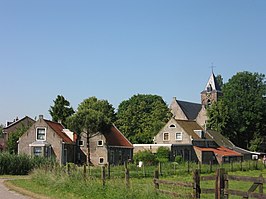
(13, 126)
(48, 139)
(109, 147)
(190, 141)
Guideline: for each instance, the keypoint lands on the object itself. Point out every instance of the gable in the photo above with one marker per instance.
(191, 110)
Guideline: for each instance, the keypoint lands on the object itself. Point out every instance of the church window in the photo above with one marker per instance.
(166, 136)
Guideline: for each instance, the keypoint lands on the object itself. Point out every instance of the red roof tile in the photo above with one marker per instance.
(58, 128)
(222, 151)
(115, 138)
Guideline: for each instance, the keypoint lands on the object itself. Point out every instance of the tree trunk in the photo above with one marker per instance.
(88, 148)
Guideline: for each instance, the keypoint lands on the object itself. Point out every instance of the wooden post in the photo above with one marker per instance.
(127, 177)
(160, 169)
(196, 186)
(109, 171)
(84, 172)
(156, 177)
(103, 175)
(261, 184)
(219, 184)
(226, 186)
(210, 166)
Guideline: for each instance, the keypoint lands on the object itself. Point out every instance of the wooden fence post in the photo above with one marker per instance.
(196, 186)
(84, 172)
(219, 184)
(156, 177)
(226, 186)
(160, 169)
(261, 184)
(127, 177)
(103, 175)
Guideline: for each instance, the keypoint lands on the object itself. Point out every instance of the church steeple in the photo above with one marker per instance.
(212, 91)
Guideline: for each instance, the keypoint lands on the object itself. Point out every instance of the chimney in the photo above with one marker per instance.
(40, 117)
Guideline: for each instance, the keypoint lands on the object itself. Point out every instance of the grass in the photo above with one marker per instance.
(57, 184)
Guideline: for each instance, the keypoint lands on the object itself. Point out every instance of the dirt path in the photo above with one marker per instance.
(6, 193)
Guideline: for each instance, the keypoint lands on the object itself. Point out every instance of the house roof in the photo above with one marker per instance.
(222, 151)
(115, 138)
(190, 109)
(189, 127)
(18, 121)
(220, 139)
(58, 128)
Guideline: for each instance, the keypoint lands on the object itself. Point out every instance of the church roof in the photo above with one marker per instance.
(212, 83)
(190, 109)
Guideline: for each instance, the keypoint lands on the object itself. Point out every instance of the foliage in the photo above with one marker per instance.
(93, 115)
(241, 113)
(14, 136)
(1, 130)
(219, 80)
(11, 164)
(61, 110)
(162, 154)
(141, 117)
(178, 159)
(147, 157)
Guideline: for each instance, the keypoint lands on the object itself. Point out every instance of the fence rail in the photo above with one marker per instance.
(221, 189)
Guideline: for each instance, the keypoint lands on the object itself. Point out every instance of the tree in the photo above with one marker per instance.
(141, 117)
(242, 110)
(92, 116)
(61, 110)
(1, 130)
(12, 145)
(163, 154)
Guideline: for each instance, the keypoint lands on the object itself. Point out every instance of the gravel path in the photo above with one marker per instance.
(5, 193)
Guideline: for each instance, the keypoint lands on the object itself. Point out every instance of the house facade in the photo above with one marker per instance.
(48, 139)
(109, 147)
(190, 141)
(13, 126)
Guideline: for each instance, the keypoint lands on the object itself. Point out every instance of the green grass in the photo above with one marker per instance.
(57, 184)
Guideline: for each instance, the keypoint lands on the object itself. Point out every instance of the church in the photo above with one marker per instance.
(186, 135)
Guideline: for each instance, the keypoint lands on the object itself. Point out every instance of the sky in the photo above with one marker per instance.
(114, 49)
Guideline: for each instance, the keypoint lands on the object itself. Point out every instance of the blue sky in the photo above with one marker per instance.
(114, 49)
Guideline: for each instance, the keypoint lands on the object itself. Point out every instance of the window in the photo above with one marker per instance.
(41, 134)
(100, 143)
(101, 160)
(178, 136)
(37, 151)
(165, 136)
(81, 143)
(172, 126)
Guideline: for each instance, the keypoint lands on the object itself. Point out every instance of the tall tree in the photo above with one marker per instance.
(1, 130)
(61, 110)
(92, 116)
(241, 112)
(141, 117)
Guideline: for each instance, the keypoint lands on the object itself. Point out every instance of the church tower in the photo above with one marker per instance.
(212, 91)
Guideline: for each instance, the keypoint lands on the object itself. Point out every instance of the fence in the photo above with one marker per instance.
(221, 189)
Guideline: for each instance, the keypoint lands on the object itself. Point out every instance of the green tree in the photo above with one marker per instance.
(163, 154)
(1, 130)
(241, 113)
(141, 117)
(61, 110)
(92, 116)
(12, 145)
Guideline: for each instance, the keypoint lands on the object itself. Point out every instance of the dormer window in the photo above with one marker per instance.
(41, 134)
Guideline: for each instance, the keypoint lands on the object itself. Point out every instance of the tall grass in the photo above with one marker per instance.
(11, 164)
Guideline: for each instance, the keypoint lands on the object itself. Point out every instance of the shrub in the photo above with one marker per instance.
(145, 156)
(11, 164)
(162, 154)
(178, 159)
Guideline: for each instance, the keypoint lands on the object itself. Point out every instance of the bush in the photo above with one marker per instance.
(163, 154)
(145, 156)
(178, 159)
(11, 164)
